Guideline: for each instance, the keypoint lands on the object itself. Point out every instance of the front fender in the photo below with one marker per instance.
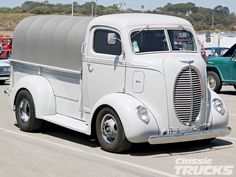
(41, 91)
(217, 120)
(136, 130)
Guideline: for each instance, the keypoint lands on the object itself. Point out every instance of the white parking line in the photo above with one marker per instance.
(230, 138)
(147, 169)
(230, 99)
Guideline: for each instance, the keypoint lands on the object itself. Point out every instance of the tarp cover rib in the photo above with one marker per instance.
(51, 40)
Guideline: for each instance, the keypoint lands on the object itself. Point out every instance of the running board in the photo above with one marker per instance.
(68, 122)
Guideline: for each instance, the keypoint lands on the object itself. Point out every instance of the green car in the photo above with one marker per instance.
(222, 70)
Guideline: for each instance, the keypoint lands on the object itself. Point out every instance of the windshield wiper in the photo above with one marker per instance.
(144, 29)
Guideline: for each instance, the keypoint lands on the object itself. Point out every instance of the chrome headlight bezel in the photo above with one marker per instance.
(143, 114)
(219, 106)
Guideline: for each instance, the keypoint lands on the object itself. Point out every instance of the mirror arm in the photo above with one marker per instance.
(123, 50)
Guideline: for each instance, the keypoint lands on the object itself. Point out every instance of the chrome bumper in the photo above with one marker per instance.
(190, 136)
(4, 77)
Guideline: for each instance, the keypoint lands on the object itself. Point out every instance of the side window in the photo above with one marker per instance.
(100, 43)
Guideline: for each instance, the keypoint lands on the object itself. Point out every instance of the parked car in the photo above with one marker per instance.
(215, 51)
(4, 70)
(125, 78)
(5, 47)
(222, 70)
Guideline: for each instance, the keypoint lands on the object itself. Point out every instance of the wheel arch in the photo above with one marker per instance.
(17, 93)
(217, 71)
(93, 124)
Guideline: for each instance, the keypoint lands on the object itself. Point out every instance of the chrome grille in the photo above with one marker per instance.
(187, 95)
(5, 70)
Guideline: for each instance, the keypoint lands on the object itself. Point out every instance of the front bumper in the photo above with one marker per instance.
(4, 77)
(189, 136)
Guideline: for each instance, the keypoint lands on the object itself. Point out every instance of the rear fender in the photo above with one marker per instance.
(41, 91)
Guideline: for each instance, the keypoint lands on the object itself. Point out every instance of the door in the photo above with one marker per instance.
(226, 64)
(103, 67)
(233, 69)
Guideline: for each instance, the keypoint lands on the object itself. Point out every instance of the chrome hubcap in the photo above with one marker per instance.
(211, 82)
(109, 128)
(24, 110)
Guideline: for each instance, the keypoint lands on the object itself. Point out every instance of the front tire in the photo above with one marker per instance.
(214, 81)
(25, 112)
(110, 132)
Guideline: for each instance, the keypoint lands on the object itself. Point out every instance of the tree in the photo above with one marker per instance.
(112, 9)
(40, 10)
(27, 6)
(222, 10)
(200, 17)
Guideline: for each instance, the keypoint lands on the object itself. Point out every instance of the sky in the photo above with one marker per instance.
(135, 4)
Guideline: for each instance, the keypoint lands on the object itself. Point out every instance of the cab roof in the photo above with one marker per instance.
(120, 21)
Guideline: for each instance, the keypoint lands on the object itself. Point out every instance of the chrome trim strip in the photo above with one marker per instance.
(5, 77)
(189, 136)
(191, 80)
(45, 66)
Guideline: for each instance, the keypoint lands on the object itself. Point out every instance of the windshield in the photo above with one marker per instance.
(231, 51)
(182, 40)
(149, 41)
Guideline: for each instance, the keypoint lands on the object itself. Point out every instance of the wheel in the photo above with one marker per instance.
(25, 112)
(214, 81)
(110, 132)
(2, 82)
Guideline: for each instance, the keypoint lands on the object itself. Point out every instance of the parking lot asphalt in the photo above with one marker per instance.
(59, 152)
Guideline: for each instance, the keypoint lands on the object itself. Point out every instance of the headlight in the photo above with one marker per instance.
(143, 114)
(219, 106)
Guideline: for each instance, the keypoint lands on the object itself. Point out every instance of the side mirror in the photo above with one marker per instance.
(111, 38)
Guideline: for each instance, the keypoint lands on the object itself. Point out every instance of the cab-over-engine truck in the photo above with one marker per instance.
(127, 78)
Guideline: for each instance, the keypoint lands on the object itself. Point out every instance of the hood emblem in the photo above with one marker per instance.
(189, 62)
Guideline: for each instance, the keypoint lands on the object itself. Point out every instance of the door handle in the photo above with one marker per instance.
(90, 68)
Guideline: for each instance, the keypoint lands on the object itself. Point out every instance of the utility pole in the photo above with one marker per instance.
(95, 10)
(72, 9)
(212, 19)
(142, 7)
(92, 9)
(122, 4)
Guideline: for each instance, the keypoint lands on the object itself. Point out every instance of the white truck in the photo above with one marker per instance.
(126, 78)
(4, 70)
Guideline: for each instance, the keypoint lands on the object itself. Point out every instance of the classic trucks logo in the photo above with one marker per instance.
(200, 167)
